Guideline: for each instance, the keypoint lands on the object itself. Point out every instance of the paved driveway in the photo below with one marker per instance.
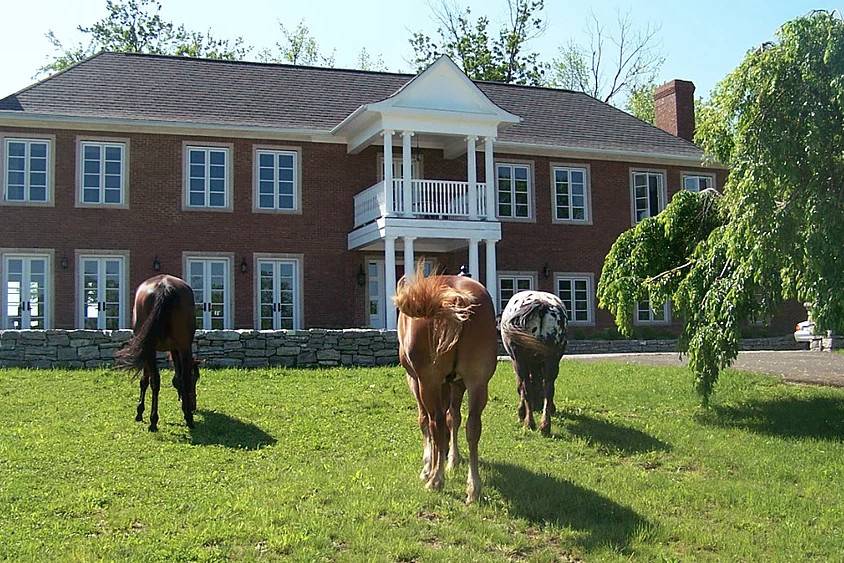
(818, 368)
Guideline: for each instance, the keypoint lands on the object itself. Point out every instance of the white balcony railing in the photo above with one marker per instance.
(442, 199)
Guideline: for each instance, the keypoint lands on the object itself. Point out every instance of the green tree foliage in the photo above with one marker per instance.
(299, 47)
(480, 52)
(640, 102)
(136, 26)
(777, 121)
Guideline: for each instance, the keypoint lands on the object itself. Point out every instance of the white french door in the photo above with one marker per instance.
(278, 299)
(209, 278)
(103, 303)
(26, 291)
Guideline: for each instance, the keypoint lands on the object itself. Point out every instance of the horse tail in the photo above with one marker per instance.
(141, 347)
(430, 298)
(538, 325)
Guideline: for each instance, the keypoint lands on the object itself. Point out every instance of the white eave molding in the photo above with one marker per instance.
(441, 100)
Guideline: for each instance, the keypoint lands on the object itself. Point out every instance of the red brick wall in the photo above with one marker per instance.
(154, 225)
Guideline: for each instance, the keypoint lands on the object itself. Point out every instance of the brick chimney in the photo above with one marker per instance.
(674, 108)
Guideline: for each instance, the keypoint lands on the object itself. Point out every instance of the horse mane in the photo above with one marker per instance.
(430, 298)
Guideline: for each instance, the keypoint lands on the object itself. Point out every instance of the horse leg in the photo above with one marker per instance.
(432, 401)
(185, 359)
(143, 384)
(423, 427)
(454, 418)
(549, 373)
(477, 402)
(525, 406)
(155, 383)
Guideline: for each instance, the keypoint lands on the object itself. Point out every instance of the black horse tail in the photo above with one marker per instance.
(141, 347)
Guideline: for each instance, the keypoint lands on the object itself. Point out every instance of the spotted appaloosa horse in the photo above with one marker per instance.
(447, 344)
(533, 329)
(163, 321)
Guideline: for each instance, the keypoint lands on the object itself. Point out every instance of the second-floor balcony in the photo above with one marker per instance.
(422, 199)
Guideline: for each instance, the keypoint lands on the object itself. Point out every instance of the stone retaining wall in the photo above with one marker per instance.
(252, 348)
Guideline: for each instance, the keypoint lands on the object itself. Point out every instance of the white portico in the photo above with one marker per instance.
(439, 108)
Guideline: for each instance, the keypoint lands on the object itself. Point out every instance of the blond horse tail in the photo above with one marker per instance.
(430, 298)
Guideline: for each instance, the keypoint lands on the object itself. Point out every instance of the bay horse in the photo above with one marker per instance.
(533, 330)
(447, 345)
(163, 321)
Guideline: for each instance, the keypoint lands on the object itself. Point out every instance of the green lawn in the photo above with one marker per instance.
(323, 464)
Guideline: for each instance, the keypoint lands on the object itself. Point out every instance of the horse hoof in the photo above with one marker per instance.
(434, 484)
(453, 463)
(545, 430)
(139, 418)
(153, 428)
(473, 494)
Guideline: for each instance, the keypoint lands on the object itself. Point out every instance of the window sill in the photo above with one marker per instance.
(83, 205)
(12, 203)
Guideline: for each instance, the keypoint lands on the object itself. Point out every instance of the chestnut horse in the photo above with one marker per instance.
(163, 321)
(448, 345)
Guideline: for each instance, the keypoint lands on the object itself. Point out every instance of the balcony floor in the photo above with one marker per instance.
(432, 235)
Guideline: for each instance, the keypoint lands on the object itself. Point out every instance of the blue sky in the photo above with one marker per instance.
(702, 41)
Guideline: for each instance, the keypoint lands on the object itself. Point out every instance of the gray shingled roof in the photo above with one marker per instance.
(150, 87)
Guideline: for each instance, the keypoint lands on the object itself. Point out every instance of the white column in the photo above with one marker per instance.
(407, 173)
(390, 280)
(388, 171)
(409, 263)
(491, 274)
(474, 267)
(489, 174)
(472, 175)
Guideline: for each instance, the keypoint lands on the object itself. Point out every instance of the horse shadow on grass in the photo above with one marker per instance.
(219, 429)
(545, 500)
(820, 418)
(609, 436)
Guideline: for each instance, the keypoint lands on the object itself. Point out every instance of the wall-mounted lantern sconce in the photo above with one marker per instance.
(63, 262)
(546, 271)
(243, 266)
(361, 276)
(156, 264)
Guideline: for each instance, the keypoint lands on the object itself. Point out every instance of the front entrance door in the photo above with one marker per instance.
(25, 288)
(209, 280)
(277, 294)
(376, 290)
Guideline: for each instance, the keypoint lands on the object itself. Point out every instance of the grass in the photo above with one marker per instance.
(323, 464)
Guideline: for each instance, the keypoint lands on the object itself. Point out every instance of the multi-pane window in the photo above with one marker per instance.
(513, 181)
(102, 292)
(645, 314)
(278, 294)
(102, 172)
(207, 173)
(511, 284)
(277, 180)
(697, 182)
(27, 170)
(648, 193)
(570, 197)
(209, 278)
(575, 291)
(25, 292)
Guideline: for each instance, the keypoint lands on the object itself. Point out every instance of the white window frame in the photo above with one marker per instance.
(587, 277)
(531, 190)
(662, 195)
(102, 142)
(651, 322)
(125, 290)
(514, 275)
(229, 290)
(48, 254)
(298, 305)
(587, 193)
(684, 175)
(296, 152)
(5, 139)
(228, 150)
